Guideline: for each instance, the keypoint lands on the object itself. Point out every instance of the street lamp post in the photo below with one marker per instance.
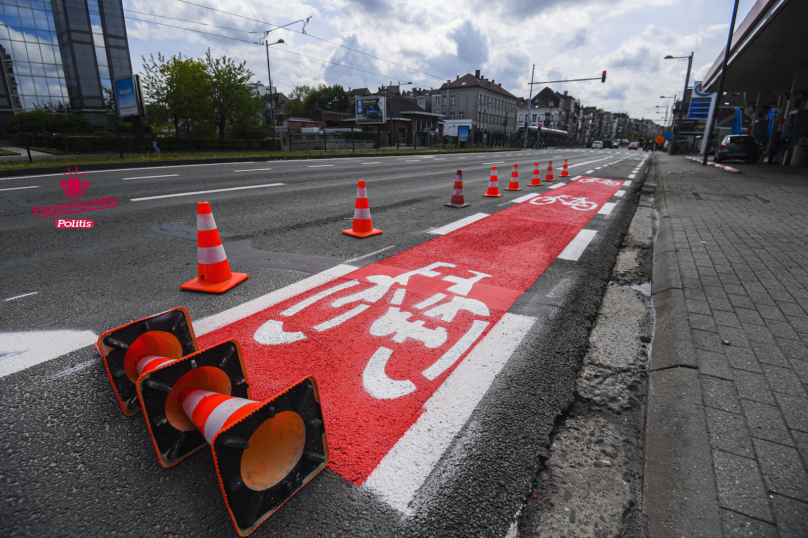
(682, 103)
(269, 75)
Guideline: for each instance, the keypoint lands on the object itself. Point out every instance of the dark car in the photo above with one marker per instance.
(608, 144)
(742, 147)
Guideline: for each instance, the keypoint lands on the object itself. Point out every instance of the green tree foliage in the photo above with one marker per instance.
(176, 88)
(40, 121)
(333, 98)
(294, 105)
(231, 100)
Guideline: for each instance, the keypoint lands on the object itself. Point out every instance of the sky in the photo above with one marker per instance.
(368, 43)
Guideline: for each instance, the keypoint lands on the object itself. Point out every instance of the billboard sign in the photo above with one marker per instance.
(128, 96)
(462, 133)
(370, 110)
(700, 103)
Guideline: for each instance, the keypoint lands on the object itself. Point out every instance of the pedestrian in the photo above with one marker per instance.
(775, 147)
(154, 142)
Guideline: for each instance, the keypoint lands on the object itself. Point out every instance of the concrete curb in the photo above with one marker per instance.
(679, 489)
(23, 172)
(721, 166)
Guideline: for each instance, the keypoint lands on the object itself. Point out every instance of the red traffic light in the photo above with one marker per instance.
(603, 77)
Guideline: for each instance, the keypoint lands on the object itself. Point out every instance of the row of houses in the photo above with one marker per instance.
(487, 108)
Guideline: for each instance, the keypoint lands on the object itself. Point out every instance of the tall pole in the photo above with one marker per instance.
(720, 96)
(529, 99)
(269, 75)
(681, 106)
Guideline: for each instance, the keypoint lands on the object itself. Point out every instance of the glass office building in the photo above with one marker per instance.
(61, 54)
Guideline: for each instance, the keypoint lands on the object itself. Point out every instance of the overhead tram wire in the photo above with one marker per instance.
(314, 37)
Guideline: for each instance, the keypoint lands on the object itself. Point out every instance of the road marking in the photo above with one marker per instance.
(587, 162)
(620, 193)
(150, 177)
(456, 225)
(371, 163)
(588, 171)
(607, 208)
(521, 199)
(21, 296)
(369, 255)
(205, 192)
(320, 166)
(626, 183)
(495, 162)
(253, 170)
(412, 161)
(632, 176)
(22, 350)
(577, 246)
(557, 185)
(20, 188)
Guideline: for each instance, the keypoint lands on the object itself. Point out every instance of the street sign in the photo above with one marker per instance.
(659, 139)
(371, 110)
(128, 96)
(668, 135)
(700, 103)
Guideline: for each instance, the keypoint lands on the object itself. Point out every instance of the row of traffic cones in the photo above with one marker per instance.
(263, 452)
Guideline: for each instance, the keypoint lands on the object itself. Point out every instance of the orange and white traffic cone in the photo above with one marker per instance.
(458, 200)
(138, 347)
(514, 184)
(213, 270)
(493, 185)
(536, 181)
(564, 172)
(362, 225)
(263, 452)
(549, 176)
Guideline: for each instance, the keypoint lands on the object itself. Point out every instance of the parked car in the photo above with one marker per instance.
(743, 147)
(634, 145)
(597, 144)
(607, 144)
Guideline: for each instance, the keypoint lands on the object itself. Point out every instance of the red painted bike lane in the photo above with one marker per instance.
(382, 339)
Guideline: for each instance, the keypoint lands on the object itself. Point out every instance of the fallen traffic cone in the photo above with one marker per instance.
(213, 270)
(264, 452)
(536, 182)
(549, 176)
(131, 349)
(362, 225)
(458, 199)
(564, 172)
(493, 185)
(514, 184)
(219, 369)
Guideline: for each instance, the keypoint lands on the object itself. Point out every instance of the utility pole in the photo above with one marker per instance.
(529, 99)
(720, 96)
(265, 41)
(682, 102)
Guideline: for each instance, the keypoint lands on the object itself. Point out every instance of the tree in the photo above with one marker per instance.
(176, 89)
(333, 98)
(294, 105)
(231, 99)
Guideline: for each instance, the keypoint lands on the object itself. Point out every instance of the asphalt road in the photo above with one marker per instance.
(74, 465)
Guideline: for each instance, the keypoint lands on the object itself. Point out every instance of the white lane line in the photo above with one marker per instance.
(598, 168)
(404, 469)
(127, 170)
(462, 157)
(521, 199)
(607, 208)
(22, 350)
(577, 246)
(19, 188)
(632, 176)
(620, 193)
(253, 170)
(495, 162)
(626, 183)
(588, 171)
(205, 192)
(369, 255)
(21, 296)
(372, 163)
(320, 166)
(557, 185)
(150, 177)
(456, 225)
(587, 162)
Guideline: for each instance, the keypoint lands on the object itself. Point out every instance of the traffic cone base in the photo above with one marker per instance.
(266, 456)
(514, 184)
(169, 335)
(458, 206)
(213, 269)
(536, 180)
(458, 200)
(218, 369)
(509, 188)
(362, 223)
(493, 185)
(199, 284)
(564, 172)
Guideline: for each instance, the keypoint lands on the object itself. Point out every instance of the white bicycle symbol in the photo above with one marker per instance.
(607, 182)
(579, 204)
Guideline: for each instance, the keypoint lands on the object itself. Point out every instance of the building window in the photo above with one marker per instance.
(454, 100)
(444, 101)
(460, 116)
(451, 116)
(437, 100)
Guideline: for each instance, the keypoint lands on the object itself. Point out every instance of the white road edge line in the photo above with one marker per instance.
(620, 193)
(320, 166)
(19, 188)
(22, 350)
(369, 255)
(456, 225)
(521, 199)
(632, 176)
(149, 177)
(253, 170)
(497, 162)
(557, 185)
(204, 192)
(577, 246)
(21, 296)
(607, 208)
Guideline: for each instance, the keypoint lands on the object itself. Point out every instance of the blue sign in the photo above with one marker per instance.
(667, 135)
(700, 103)
(126, 95)
(462, 133)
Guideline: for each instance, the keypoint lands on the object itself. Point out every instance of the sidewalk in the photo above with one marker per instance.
(727, 421)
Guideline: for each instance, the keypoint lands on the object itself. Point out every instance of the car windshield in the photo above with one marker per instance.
(740, 139)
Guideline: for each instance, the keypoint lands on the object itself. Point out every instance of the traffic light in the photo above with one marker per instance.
(603, 77)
